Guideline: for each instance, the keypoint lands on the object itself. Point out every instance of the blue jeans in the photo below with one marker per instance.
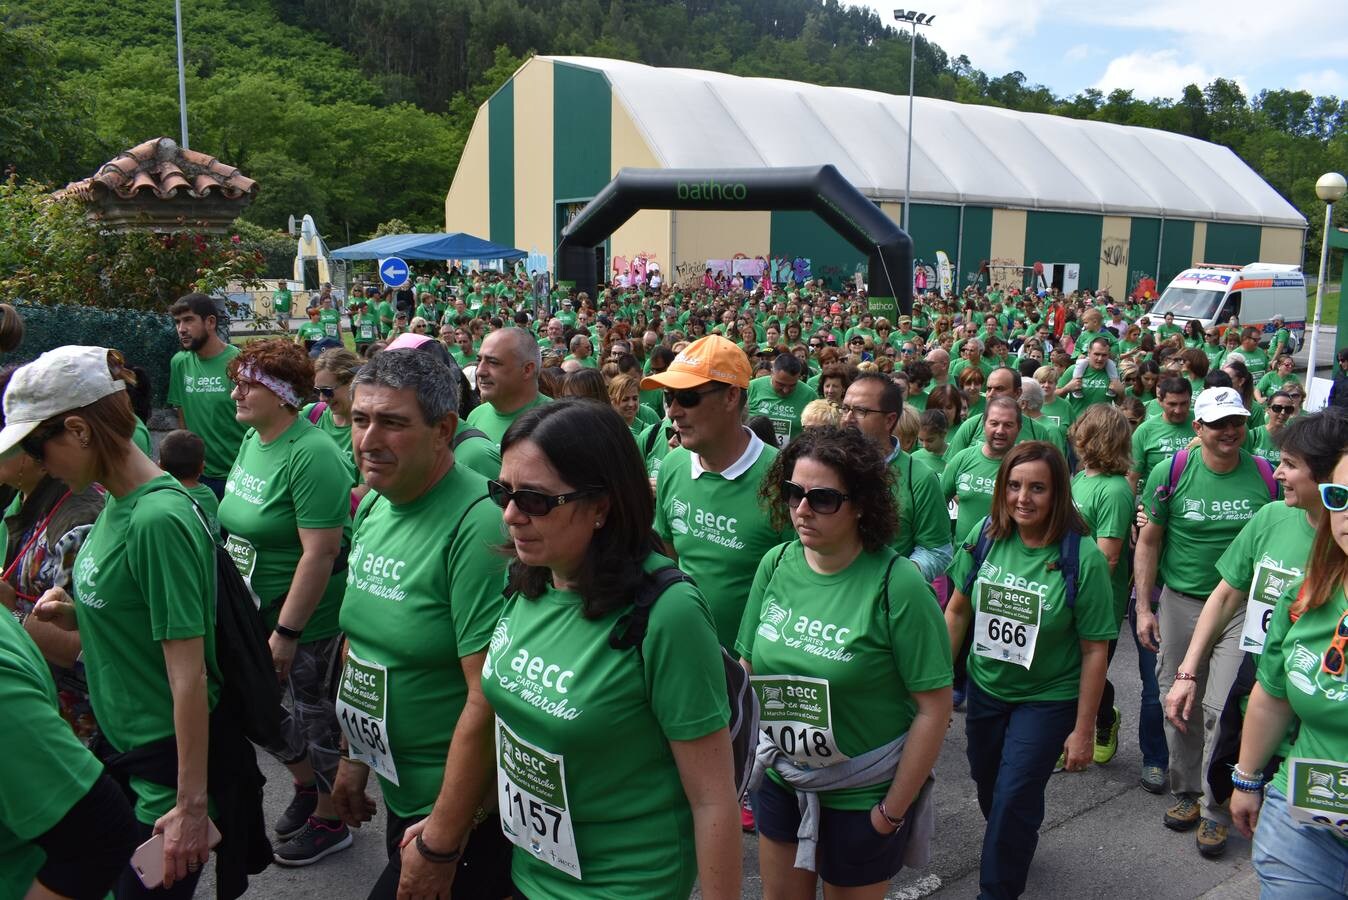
(1012, 749)
(1296, 862)
(1150, 719)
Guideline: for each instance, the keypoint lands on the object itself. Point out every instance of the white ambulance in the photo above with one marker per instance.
(1243, 295)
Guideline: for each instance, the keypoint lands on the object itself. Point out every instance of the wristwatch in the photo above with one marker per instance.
(293, 634)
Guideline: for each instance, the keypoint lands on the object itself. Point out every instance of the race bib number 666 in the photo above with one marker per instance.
(1006, 625)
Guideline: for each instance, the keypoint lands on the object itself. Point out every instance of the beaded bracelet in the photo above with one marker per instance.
(1241, 782)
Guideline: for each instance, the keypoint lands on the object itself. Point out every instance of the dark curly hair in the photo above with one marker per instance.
(860, 466)
(281, 359)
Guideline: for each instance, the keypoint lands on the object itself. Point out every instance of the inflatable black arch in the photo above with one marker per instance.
(820, 189)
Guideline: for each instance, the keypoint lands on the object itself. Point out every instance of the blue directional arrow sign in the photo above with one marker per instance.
(393, 271)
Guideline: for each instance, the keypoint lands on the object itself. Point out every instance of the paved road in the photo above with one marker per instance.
(1102, 837)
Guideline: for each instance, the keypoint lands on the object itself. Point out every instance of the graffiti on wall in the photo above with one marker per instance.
(1114, 251)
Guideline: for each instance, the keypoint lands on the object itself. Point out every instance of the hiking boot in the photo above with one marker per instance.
(1107, 740)
(1211, 838)
(1183, 815)
(317, 839)
(746, 818)
(297, 814)
(1153, 779)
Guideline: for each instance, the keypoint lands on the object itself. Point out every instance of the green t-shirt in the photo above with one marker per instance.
(384, 309)
(145, 574)
(340, 435)
(1094, 389)
(1015, 572)
(1106, 503)
(923, 519)
(969, 478)
(366, 327)
(480, 455)
(331, 320)
(283, 301)
(209, 504)
(311, 331)
(463, 359)
(1059, 412)
(1275, 544)
(932, 461)
(1157, 439)
(562, 693)
(1256, 361)
(717, 527)
(1292, 656)
(50, 770)
(656, 438)
(1202, 518)
(421, 594)
(859, 659)
(201, 389)
(783, 411)
(970, 433)
(1259, 442)
(299, 480)
(1273, 381)
(141, 438)
(494, 425)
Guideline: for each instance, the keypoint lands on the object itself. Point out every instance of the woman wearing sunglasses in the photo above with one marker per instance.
(587, 821)
(1298, 823)
(140, 594)
(1039, 658)
(286, 511)
(852, 667)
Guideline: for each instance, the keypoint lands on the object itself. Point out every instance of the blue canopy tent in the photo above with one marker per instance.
(429, 246)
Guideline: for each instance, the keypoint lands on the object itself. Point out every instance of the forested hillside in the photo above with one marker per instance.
(357, 110)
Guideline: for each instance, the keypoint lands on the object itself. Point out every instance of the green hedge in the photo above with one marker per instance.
(146, 339)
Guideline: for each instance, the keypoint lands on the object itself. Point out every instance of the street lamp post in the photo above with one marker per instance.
(182, 80)
(914, 18)
(1330, 188)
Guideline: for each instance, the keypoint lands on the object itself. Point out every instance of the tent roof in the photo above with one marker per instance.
(962, 153)
(456, 245)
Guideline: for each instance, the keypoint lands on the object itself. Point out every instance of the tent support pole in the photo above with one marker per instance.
(1160, 243)
(959, 256)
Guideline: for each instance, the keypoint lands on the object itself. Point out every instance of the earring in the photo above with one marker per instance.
(598, 523)
(84, 443)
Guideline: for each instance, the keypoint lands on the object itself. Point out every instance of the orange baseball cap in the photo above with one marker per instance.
(712, 358)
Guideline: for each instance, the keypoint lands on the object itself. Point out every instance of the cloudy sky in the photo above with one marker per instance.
(1154, 47)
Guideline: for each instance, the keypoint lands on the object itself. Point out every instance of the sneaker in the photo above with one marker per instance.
(317, 839)
(746, 818)
(1183, 815)
(1211, 838)
(1153, 779)
(958, 697)
(297, 814)
(1107, 740)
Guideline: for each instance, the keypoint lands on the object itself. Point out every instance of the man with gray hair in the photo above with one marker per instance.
(507, 380)
(422, 600)
(939, 360)
(582, 351)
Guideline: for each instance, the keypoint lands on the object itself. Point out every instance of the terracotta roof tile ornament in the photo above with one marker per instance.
(158, 186)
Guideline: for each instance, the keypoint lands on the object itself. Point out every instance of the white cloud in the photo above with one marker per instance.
(1326, 82)
(1158, 73)
(1078, 53)
(991, 33)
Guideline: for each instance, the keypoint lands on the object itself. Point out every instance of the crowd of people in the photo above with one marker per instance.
(516, 565)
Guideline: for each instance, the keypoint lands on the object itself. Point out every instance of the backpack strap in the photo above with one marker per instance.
(979, 550)
(884, 583)
(1069, 563)
(464, 434)
(1178, 463)
(1266, 472)
(316, 412)
(630, 629)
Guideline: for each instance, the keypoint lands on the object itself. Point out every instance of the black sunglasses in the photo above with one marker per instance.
(689, 397)
(326, 392)
(824, 501)
(1281, 409)
(35, 442)
(533, 503)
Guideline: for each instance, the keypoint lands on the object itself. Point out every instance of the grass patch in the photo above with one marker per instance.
(1329, 312)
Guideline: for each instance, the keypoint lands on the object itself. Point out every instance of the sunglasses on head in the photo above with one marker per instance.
(533, 503)
(824, 501)
(689, 397)
(1333, 662)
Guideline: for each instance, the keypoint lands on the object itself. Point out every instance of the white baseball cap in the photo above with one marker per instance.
(1215, 404)
(58, 381)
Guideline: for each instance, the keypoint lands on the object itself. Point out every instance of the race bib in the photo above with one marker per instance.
(244, 554)
(953, 508)
(534, 811)
(1266, 587)
(366, 333)
(330, 329)
(1317, 794)
(362, 710)
(795, 714)
(1006, 625)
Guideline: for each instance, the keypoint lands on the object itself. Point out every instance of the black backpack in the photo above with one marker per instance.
(249, 691)
(630, 630)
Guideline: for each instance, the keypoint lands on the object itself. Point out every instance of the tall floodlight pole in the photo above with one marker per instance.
(914, 18)
(182, 79)
(1330, 188)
